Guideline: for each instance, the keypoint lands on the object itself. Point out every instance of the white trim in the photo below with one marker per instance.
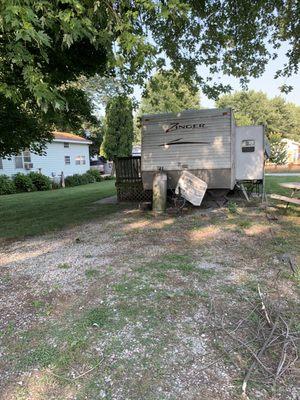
(72, 141)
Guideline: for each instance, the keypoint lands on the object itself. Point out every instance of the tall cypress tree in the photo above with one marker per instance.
(118, 134)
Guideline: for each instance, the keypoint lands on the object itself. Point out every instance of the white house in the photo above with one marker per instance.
(136, 150)
(293, 151)
(67, 153)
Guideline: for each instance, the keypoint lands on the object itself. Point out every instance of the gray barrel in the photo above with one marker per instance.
(160, 192)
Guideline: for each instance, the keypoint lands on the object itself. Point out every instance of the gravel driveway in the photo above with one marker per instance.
(134, 307)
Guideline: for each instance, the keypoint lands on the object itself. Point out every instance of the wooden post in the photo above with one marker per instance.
(160, 192)
(62, 180)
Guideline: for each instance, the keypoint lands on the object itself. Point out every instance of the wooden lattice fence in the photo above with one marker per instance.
(129, 183)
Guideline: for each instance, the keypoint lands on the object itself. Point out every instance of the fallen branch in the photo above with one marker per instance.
(78, 376)
(244, 319)
(256, 356)
(263, 307)
(259, 354)
(268, 332)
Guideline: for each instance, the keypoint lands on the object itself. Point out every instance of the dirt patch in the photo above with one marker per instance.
(107, 200)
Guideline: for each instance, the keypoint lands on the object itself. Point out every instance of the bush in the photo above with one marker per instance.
(278, 149)
(87, 178)
(23, 183)
(73, 180)
(40, 181)
(7, 186)
(56, 185)
(95, 173)
(76, 179)
(109, 178)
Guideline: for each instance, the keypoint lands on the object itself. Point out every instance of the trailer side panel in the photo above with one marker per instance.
(198, 141)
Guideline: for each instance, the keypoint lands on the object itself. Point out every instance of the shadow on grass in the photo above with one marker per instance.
(30, 214)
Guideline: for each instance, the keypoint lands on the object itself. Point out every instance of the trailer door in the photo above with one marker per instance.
(249, 152)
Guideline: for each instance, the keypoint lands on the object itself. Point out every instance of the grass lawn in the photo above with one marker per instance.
(27, 214)
(272, 184)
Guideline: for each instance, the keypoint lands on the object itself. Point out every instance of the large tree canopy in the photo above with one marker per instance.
(254, 108)
(168, 92)
(25, 125)
(46, 44)
(43, 46)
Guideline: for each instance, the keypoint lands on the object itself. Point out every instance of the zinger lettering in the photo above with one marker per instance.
(176, 126)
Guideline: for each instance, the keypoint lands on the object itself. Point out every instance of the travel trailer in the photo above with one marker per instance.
(206, 143)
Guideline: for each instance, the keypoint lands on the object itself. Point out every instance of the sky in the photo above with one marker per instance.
(265, 83)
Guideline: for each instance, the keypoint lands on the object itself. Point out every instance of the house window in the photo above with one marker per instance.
(1, 163)
(66, 145)
(80, 160)
(19, 161)
(67, 160)
(22, 160)
(26, 157)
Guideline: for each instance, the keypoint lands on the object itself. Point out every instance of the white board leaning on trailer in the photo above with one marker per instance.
(191, 188)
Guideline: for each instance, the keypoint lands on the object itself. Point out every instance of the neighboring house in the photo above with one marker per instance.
(136, 150)
(293, 151)
(67, 153)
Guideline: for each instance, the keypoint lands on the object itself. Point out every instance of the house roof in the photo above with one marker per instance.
(69, 137)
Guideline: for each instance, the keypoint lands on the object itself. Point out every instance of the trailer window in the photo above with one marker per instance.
(248, 146)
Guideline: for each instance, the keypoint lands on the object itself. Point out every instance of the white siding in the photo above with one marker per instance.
(293, 151)
(53, 163)
(209, 146)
